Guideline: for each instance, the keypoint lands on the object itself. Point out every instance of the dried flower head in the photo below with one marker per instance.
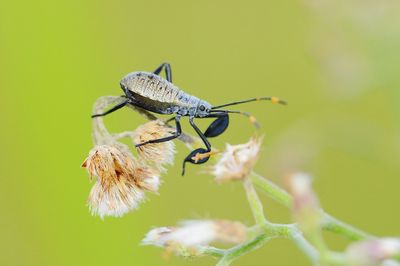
(306, 209)
(147, 178)
(237, 161)
(372, 252)
(120, 182)
(158, 154)
(193, 234)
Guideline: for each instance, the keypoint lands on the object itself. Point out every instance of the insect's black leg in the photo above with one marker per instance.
(169, 120)
(177, 134)
(115, 108)
(201, 135)
(191, 158)
(168, 71)
(218, 126)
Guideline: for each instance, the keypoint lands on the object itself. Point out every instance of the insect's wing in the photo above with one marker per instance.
(217, 127)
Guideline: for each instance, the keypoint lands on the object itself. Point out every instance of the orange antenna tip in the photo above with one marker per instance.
(277, 100)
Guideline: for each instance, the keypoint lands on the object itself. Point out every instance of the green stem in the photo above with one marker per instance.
(329, 224)
(272, 190)
(255, 203)
(213, 251)
(302, 243)
(334, 225)
(237, 251)
(257, 209)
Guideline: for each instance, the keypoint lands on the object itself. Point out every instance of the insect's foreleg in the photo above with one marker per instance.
(168, 71)
(115, 108)
(177, 134)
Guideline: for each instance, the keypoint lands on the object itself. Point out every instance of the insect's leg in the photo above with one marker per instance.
(194, 157)
(218, 126)
(168, 71)
(169, 120)
(177, 134)
(190, 159)
(115, 108)
(201, 135)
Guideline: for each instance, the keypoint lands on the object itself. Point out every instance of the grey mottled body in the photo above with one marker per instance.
(158, 95)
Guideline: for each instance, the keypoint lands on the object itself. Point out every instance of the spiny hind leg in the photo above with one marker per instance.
(201, 155)
(218, 126)
(168, 72)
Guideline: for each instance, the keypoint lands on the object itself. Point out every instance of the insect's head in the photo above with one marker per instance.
(203, 109)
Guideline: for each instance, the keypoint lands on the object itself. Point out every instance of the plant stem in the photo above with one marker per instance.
(257, 209)
(302, 243)
(330, 223)
(100, 133)
(255, 203)
(237, 251)
(334, 225)
(272, 190)
(213, 251)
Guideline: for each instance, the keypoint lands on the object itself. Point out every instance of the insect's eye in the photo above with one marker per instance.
(202, 108)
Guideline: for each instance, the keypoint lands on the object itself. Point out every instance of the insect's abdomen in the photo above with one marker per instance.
(152, 87)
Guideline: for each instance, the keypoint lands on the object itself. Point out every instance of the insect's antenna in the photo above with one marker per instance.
(272, 99)
(252, 118)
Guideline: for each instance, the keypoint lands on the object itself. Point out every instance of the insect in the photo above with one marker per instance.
(148, 90)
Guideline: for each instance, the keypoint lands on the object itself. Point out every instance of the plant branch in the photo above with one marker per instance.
(239, 250)
(213, 251)
(334, 225)
(302, 243)
(330, 223)
(255, 203)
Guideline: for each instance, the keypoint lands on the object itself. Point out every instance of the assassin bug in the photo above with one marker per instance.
(155, 94)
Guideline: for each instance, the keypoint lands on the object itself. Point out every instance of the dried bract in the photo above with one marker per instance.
(237, 161)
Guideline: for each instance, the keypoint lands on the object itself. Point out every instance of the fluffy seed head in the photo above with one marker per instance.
(237, 161)
(120, 180)
(230, 231)
(158, 154)
(193, 234)
(148, 178)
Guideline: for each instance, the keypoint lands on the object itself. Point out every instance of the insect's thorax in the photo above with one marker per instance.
(156, 94)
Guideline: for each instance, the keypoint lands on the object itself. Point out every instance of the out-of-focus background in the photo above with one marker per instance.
(335, 62)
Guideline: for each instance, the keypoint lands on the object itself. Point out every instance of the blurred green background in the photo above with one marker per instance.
(335, 62)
